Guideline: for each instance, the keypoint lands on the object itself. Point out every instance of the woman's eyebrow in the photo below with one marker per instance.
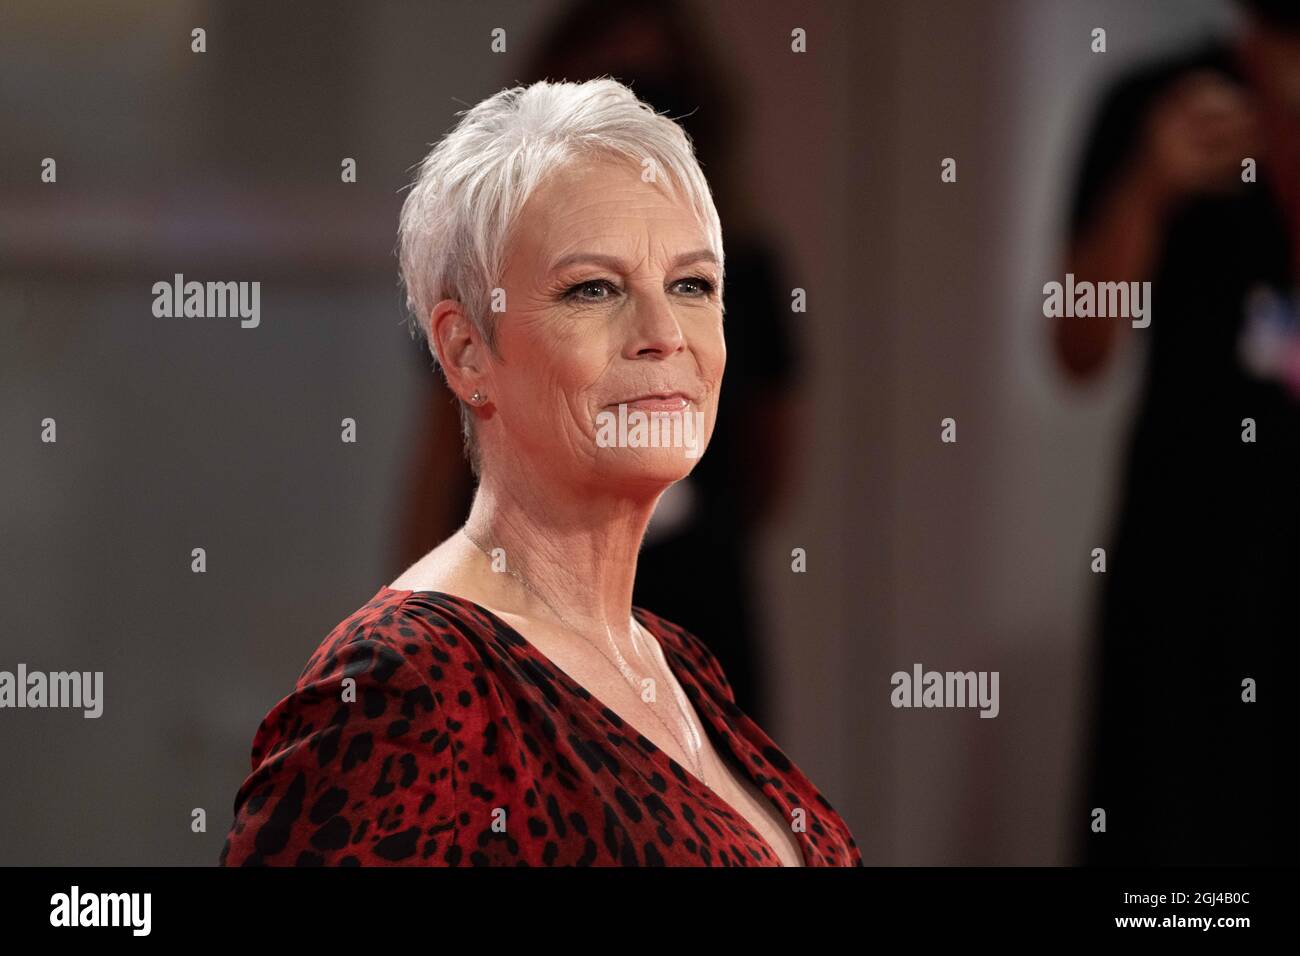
(615, 264)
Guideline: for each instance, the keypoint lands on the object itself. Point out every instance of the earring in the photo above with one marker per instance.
(476, 398)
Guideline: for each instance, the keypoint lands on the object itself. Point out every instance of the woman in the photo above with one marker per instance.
(502, 702)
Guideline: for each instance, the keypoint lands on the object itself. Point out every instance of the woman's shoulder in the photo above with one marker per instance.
(364, 733)
(436, 634)
(406, 621)
(419, 645)
(362, 657)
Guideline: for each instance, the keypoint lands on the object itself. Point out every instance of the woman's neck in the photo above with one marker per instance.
(579, 555)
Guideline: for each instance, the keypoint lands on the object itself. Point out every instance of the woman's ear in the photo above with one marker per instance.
(456, 343)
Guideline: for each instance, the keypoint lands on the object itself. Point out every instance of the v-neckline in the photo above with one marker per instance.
(710, 722)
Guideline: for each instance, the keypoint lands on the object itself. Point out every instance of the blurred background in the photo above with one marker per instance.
(924, 301)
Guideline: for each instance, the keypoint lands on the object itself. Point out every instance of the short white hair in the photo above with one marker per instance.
(456, 220)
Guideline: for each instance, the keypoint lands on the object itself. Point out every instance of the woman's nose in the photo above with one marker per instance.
(655, 327)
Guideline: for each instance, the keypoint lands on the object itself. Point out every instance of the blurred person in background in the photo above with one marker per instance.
(1201, 568)
(706, 525)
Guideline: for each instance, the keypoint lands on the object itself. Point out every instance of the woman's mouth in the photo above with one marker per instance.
(674, 402)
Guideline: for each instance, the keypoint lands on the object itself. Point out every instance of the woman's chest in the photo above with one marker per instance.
(706, 750)
(745, 797)
(586, 789)
(591, 804)
(645, 758)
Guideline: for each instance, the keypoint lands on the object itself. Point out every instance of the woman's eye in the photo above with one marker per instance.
(578, 291)
(597, 290)
(703, 285)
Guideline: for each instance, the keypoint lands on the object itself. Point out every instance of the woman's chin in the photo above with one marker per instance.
(651, 468)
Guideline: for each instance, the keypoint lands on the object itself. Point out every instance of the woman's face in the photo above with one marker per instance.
(611, 295)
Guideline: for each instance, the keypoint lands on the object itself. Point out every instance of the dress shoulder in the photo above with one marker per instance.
(355, 765)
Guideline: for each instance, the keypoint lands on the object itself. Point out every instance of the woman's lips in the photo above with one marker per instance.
(671, 403)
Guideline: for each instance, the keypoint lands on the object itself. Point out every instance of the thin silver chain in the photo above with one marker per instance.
(622, 666)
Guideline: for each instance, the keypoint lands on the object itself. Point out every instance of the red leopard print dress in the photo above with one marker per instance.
(464, 745)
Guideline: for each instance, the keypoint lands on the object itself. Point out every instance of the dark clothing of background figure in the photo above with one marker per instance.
(698, 573)
(1202, 561)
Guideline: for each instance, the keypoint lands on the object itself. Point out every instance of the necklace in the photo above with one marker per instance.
(622, 666)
